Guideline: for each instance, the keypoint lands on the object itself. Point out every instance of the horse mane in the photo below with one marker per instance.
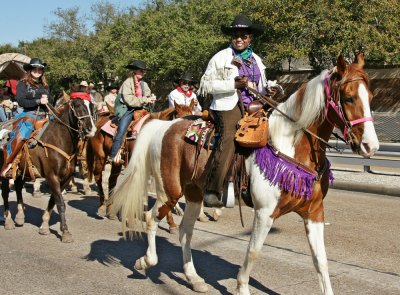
(164, 114)
(306, 104)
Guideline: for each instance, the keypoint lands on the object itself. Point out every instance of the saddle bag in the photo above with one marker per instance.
(253, 130)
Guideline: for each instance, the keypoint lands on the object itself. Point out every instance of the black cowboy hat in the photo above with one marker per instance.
(112, 86)
(137, 65)
(34, 63)
(186, 77)
(242, 22)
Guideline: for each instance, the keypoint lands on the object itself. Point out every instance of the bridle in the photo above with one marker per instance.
(333, 103)
(71, 112)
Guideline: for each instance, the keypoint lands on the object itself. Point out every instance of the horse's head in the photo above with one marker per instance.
(82, 116)
(183, 110)
(349, 106)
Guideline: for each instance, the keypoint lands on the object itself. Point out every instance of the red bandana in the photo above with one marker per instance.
(187, 94)
(81, 95)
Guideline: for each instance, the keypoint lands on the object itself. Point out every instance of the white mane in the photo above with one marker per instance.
(312, 104)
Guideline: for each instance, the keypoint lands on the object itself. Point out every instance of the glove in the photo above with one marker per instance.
(241, 82)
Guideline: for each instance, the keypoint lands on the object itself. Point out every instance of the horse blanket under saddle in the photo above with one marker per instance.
(201, 133)
(110, 128)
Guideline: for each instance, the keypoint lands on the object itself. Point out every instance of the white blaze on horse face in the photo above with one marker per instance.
(93, 129)
(369, 141)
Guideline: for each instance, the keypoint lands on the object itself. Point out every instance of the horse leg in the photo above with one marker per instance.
(151, 257)
(20, 217)
(45, 227)
(202, 217)
(36, 188)
(112, 181)
(74, 187)
(315, 235)
(192, 211)
(261, 225)
(98, 177)
(173, 228)
(5, 191)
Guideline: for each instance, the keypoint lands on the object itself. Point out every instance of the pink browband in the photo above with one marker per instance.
(330, 103)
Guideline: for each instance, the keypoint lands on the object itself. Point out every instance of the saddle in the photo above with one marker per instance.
(202, 133)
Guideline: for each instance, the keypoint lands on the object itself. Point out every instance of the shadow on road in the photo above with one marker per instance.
(211, 267)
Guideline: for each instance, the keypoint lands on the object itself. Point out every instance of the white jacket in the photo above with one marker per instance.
(182, 99)
(219, 80)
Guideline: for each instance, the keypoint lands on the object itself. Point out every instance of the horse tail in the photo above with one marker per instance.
(90, 159)
(131, 192)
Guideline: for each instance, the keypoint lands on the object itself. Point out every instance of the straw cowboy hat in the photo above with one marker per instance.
(186, 77)
(84, 83)
(242, 22)
(137, 65)
(34, 63)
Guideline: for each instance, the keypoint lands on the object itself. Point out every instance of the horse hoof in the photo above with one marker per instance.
(200, 287)
(101, 211)
(202, 218)
(20, 221)
(112, 216)
(8, 225)
(44, 231)
(138, 264)
(67, 238)
(173, 230)
(217, 214)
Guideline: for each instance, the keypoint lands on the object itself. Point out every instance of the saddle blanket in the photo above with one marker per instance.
(201, 133)
(133, 129)
(108, 128)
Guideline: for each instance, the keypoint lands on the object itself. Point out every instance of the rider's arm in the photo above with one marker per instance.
(24, 98)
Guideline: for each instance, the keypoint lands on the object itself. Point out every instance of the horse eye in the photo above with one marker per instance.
(348, 99)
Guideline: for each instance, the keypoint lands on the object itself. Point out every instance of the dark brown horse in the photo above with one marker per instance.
(53, 158)
(99, 147)
(291, 174)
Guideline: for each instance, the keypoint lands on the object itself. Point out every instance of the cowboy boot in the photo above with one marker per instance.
(13, 146)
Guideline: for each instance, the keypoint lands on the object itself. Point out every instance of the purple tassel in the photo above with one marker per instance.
(287, 176)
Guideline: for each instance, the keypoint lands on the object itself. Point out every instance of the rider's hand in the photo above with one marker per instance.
(272, 91)
(151, 99)
(241, 82)
(44, 99)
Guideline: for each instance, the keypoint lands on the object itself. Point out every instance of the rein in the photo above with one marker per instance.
(274, 105)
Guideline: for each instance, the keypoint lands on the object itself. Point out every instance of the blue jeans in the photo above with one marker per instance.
(124, 122)
(3, 116)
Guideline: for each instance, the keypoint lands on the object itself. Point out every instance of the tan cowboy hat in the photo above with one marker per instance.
(84, 83)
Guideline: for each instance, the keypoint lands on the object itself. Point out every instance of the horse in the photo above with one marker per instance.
(99, 146)
(54, 160)
(291, 174)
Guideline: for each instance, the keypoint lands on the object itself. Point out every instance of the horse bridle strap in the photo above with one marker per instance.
(274, 105)
(57, 149)
(337, 108)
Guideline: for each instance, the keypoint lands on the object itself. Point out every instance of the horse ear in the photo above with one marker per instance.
(341, 65)
(360, 59)
(191, 106)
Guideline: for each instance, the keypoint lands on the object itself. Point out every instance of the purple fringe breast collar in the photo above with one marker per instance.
(286, 175)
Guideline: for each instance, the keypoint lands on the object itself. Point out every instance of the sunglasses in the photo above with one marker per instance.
(242, 36)
(186, 83)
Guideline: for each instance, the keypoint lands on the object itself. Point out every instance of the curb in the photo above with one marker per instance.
(367, 188)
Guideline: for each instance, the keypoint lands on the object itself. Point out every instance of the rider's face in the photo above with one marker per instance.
(37, 72)
(241, 39)
(185, 85)
(139, 73)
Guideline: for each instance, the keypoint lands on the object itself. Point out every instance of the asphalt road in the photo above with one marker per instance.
(362, 241)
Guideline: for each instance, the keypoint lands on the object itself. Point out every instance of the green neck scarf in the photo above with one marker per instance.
(245, 54)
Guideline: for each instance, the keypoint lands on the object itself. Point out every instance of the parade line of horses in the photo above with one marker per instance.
(290, 174)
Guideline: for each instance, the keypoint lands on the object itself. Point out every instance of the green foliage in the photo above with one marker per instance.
(173, 36)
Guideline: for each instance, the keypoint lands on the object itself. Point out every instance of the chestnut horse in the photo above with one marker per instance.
(53, 159)
(338, 97)
(99, 146)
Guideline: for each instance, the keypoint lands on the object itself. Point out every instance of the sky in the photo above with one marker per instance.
(24, 20)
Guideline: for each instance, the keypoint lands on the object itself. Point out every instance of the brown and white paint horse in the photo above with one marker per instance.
(162, 151)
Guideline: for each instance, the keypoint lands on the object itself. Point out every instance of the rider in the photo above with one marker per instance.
(184, 94)
(32, 95)
(134, 95)
(227, 77)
